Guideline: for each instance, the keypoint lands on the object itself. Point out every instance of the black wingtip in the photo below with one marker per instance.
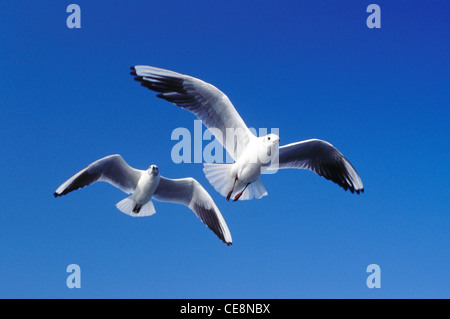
(229, 244)
(56, 194)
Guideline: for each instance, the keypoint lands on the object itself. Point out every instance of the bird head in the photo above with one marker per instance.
(153, 170)
(270, 139)
(268, 148)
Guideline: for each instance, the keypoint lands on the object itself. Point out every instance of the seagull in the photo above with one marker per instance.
(143, 185)
(252, 155)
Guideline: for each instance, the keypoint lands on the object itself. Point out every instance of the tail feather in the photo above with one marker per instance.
(254, 190)
(219, 177)
(131, 208)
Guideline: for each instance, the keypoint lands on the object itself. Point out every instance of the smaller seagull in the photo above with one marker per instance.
(143, 185)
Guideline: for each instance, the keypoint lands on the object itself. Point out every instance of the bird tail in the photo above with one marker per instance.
(219, 177)
(130, 207)
(254, 190)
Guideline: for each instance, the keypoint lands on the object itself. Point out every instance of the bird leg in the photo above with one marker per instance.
(240, 194)
(137, 208)
(232, 189)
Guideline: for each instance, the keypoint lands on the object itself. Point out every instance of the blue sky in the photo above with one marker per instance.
(313, 69)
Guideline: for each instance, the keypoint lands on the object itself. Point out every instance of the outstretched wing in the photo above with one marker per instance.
(189, 192)
(323, 159)
(112, 169)
(207, 102)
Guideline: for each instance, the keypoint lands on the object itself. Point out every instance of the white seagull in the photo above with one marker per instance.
(143, 185)
(252, 155)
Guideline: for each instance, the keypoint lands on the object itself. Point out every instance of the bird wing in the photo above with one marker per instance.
(207, 102)
(112, 169)
(189, 192)
(323, 159)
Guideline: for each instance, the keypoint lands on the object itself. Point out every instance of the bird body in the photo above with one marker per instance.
(146, 187)
(254, 161)
(256, 158)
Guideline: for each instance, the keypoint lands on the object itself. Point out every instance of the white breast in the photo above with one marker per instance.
(146, 188)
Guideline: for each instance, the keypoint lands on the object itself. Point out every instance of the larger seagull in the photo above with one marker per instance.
(252, 155)
(143, 185)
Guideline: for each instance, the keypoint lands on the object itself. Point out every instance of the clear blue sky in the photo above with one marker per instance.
(311, 68)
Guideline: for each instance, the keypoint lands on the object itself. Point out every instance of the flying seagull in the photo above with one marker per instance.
(252, 155)
(143, 185)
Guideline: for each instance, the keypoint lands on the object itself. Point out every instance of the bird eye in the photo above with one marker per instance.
(268, 138)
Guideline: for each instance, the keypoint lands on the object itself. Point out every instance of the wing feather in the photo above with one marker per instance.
(323, 159)
(189, 192)
(112, 169)
(206, 101)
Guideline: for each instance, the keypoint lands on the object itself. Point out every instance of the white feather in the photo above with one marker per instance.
(219, 176)
(126, 206)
